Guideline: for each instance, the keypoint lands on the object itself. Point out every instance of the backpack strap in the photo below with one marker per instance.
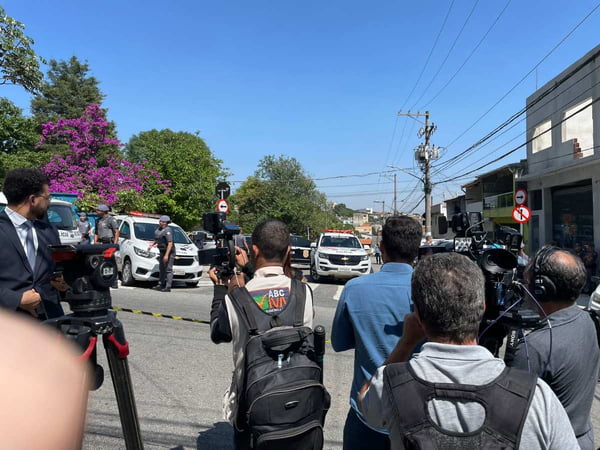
(298, 295)
(509, 399)
(242, 301)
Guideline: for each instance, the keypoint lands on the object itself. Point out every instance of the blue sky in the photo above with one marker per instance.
(319, 81)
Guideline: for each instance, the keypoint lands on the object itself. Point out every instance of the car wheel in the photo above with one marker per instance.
(127, 274)
(192, 283)
(314, 275)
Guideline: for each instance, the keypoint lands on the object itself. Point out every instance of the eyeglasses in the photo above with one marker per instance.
(47, 197)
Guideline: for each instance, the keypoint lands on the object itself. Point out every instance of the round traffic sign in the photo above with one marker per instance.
(521, 214)
(223, 190)
(223, 206)
(520, 196)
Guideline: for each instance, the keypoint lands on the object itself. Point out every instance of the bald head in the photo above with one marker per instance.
(567, 272)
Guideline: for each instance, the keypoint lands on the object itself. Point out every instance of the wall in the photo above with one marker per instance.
(553, 107)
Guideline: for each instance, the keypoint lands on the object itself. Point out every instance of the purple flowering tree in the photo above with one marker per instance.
(80, 168)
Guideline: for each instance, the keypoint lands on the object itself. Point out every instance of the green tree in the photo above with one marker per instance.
(342, 210)
(281, 189)
(18, 62)
(67, 92)
(18, 137)
(185, 159)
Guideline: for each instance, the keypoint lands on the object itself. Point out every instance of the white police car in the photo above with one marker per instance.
(136, 262)
(61, 216)
(338, 254)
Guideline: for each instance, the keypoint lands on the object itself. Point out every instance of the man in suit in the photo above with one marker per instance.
(26, 266)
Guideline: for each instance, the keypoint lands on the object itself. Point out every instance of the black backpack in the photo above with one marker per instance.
(506, 401)
(283, 402)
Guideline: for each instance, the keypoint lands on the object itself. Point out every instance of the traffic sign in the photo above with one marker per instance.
(223, 190)
(521, 214)
(520, 196)
(223, 206)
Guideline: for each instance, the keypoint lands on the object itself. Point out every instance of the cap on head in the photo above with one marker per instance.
(82, 214)
(102, 208)
(164, 219)
(428, 234)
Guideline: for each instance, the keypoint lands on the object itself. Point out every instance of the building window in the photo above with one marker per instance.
(542, 138)
(579, 128)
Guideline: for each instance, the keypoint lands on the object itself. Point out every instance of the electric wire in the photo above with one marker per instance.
(525, 76)
(437, 38)
(522, 145)
(482, 142)
(432, 99)
(571, 101)
(447, 54)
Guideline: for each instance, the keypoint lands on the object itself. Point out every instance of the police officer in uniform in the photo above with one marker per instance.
(84, 227)
(107, 230)
(163, 239)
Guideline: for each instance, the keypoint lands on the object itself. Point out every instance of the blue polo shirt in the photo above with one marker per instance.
(369, 319)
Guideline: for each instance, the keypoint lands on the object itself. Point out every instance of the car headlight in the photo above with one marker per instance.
(323, 255)
(143, 253)
(364, 258)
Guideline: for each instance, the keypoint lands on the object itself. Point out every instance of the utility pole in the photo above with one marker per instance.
(395, 197)
(424, 154)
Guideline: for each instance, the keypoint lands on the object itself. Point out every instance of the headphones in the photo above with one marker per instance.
(542, 287)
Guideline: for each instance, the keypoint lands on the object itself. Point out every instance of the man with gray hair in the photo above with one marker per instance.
(455, 394)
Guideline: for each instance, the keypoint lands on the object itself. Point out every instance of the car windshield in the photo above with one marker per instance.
(145, 232)
(299, 241)
(62, 217)
(345, 242)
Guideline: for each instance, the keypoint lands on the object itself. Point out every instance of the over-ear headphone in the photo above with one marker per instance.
(543, 287)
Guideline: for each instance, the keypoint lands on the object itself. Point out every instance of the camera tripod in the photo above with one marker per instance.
(84, 327)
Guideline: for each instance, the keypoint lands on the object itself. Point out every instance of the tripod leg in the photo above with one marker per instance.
(116, 350)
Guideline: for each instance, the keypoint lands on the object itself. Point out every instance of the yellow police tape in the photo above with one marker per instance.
(167, 316)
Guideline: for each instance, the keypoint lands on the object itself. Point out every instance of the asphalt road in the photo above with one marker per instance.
(179, 375)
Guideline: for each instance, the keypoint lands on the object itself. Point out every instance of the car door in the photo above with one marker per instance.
(124, 243)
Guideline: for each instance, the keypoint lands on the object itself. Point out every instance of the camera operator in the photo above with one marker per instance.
(570, 365)
(269, 287)
(26, 266)
(369, 318)
(454, 394)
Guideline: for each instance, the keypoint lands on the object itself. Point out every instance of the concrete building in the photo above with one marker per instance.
(563, 179)
(360, 218)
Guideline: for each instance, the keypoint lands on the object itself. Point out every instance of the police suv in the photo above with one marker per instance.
(136, 262)
(338, 254)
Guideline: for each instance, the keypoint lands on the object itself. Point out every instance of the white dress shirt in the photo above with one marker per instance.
(20, 224)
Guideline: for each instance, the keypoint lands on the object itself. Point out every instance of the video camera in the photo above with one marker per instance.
(223, 256)
(89, 271)
(498, 261)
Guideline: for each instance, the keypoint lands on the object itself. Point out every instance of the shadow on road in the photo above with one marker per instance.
(219, 437)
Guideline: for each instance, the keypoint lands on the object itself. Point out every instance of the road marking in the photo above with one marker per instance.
(338, 293)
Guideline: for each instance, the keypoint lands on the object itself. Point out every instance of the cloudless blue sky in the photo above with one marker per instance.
(319, 81)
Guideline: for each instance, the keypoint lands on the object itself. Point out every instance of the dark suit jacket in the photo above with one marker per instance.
(16, 276)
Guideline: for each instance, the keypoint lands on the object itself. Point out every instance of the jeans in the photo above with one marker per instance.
(358, 436)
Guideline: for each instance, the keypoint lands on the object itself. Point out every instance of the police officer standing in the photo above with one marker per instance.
(84, 227)
(163, 239)
(107, 230)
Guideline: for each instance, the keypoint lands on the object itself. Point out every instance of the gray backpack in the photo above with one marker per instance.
(283, 402)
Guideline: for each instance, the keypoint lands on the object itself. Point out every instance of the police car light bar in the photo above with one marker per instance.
(144, 214)
(339, 231)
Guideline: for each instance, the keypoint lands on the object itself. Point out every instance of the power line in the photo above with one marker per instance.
(447, 54)
(524, 144)
(448, 163)
(573, 100)
(437, 38)
(526, 75)
(432, 99)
